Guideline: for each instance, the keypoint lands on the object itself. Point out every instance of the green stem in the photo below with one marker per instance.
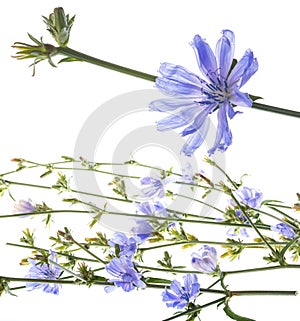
(68, 52)
(71, 190)
(59, 253)
(276, 110)
(255, 227)
(263, 292)
(261, 269)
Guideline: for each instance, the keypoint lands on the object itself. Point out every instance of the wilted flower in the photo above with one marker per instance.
(194, 98)
(126, 275)
(126, 245)
(44, 271)
(205, 260)
(24, 206)
(248, 196)
(179, 296)
(285, 230)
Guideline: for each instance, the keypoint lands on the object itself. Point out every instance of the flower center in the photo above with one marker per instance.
(217, 91)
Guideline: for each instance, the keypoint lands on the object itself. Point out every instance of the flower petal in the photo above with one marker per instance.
(225, 52)
(178, 81)
(240, 68)
(172, 104)
(206, 59)
(250, 71)
(195, 139)
(240, 99)
(223, 136)
(183, 118)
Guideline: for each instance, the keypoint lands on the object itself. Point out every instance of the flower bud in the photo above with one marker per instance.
(59, 25)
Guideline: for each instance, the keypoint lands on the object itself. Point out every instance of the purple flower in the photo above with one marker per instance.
(194, 98)
(125, 275)
(285, 230)
(155, 186)
(149, 208)
(205, 260)
(179, 296)
(142, 230)
(24, 206)
(126, 245)
(235, 231)
(44, 272)
(248, 196)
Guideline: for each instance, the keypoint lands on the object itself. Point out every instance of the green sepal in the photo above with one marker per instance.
(233, 315)
(254, 98)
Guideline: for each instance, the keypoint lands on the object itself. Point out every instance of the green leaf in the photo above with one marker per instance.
(69, 59)
(235, 316)
(157, 280)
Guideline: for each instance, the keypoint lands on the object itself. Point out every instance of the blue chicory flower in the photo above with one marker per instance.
(24, 206)
(285, 230)
(152, 208)
(205, 260)
(154, 186)
(194, 99)
(44, 272)
(127, 245)
(248, 196)
(143, 230)
(125, 274)
(179, 296)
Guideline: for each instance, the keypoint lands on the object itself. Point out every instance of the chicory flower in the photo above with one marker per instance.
(125, 274)
(127, 245)
(44, 271)
(248, 196)
(284, 230)
(194, 98)
(179, 296)
(205, 260)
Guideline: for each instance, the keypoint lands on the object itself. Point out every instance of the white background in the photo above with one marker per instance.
(41, 117)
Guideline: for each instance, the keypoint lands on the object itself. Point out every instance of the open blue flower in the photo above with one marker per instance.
(127, 245)
(248, 196)
(125, 274)
(285, 230)
(142, 230)
(44, 272)
(194, 98)
(179, 296)
(205, 260)
(154, 186)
